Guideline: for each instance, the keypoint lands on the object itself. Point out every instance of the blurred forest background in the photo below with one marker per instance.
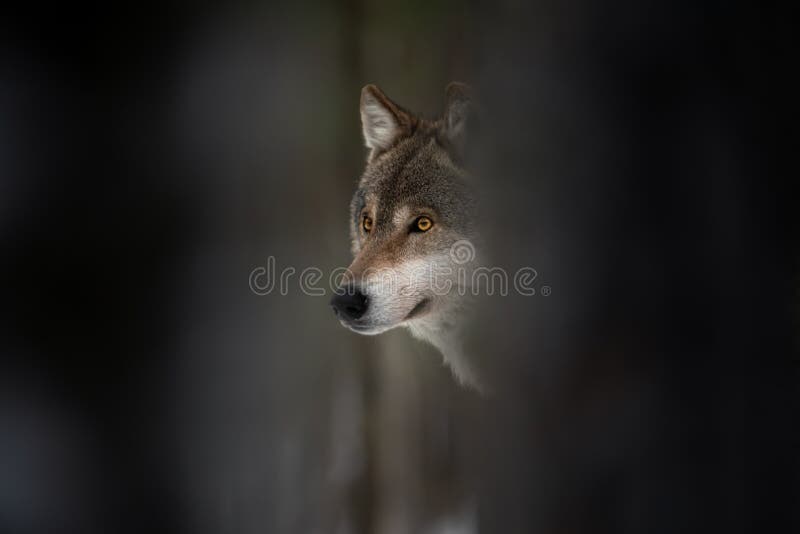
(151, 156)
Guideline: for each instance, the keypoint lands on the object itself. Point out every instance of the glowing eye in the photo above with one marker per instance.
(423, 224)
(367, 223)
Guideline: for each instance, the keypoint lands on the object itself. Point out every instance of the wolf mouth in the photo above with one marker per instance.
(418, 309)
(367, 330)
(358, 328)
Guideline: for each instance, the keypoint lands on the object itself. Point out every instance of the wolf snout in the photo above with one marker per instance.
(351, 304)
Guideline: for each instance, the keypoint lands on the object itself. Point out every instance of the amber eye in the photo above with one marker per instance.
(366, 223)
(423, 224)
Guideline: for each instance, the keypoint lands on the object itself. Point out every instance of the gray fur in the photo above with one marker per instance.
(412, 171)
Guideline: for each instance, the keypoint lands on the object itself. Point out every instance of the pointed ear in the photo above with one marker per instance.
(458, 114)
(382, 120)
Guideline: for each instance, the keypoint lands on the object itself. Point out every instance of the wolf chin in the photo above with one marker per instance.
(412, 209)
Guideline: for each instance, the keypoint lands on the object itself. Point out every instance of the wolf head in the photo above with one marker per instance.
(411, 223)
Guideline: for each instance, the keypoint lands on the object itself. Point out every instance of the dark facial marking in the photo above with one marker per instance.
(357, 205)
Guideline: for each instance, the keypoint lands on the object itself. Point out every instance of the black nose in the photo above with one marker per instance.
(351, 304)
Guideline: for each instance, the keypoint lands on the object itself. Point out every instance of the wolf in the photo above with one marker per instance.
(412, 228)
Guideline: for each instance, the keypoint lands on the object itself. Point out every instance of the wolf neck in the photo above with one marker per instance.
(447, 338)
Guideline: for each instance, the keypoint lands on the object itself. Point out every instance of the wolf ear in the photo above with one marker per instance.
(459, 111)
(382, 120)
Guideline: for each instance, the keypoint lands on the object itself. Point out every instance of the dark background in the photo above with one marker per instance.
(152, 155)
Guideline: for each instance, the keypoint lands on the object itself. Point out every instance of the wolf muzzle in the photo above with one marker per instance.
(350, 305)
